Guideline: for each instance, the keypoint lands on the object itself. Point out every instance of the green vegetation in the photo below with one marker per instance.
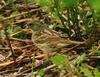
(76, 20)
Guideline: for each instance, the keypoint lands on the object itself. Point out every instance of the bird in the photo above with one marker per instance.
(46, 39)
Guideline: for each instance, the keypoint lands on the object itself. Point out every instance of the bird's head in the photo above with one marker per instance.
(36, 26)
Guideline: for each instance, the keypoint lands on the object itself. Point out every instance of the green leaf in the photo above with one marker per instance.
(94, 52)
(14, 13)
(60, 60)
(31, 0)
(1, 16)
(86, 70)
(41, 72)
(44, 2)
(95, 4)
(97, 52)
(96, 73)
(47, 5)
(68, 3)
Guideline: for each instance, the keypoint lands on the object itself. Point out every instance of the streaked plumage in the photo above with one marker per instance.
(48, 40)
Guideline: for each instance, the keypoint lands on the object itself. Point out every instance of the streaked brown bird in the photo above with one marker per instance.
(48, 40)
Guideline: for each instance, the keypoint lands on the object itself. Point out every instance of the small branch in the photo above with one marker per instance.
(23, 13)
(45, 69)
(8, 48)
(94, 57)
(24, 47)
(71, 48)
(12, 51)
(50, 67)
(98, 47)
(20, 40)
(22, 20)
(90, 67)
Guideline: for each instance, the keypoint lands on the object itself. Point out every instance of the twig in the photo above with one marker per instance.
(40, 56)
(22, 20)
(49, 67)
(98, 47)
(23, 72)
(21, 60)
(94, 57)
(8, 71)
(71, 48)
(45, 69)
(12, 51)
(8, 48)
(20, 40)
(90, 67)
(17, 47)
(23, 13)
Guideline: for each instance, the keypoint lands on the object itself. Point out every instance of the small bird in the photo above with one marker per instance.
(48, 40)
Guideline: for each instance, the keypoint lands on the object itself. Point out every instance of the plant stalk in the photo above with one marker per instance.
(12, 51)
